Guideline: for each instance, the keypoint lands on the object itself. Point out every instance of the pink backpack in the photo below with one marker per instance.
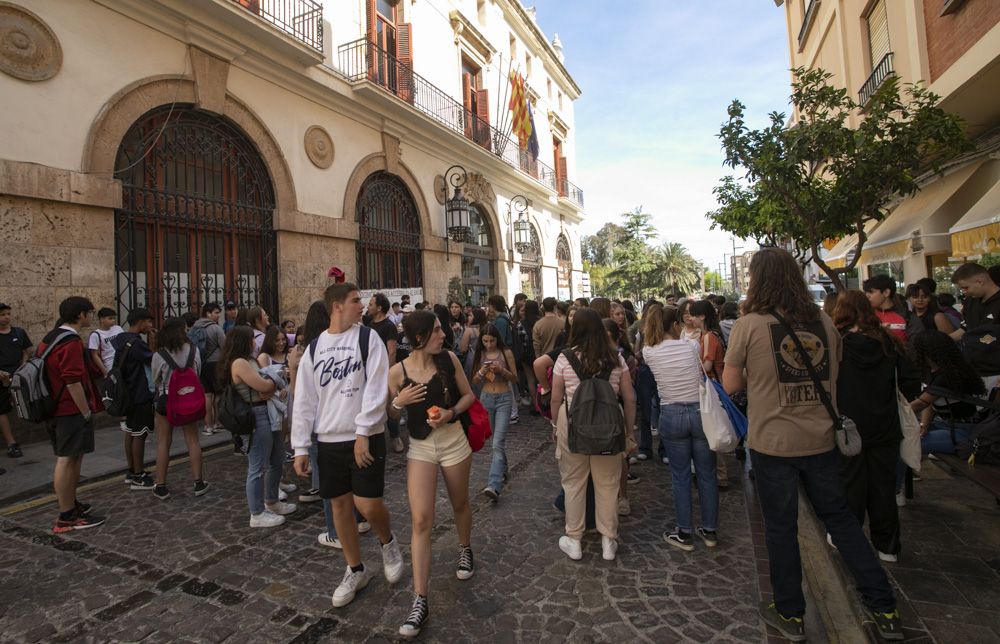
(185, 395)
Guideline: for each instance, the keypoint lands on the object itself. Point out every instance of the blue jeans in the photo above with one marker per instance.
(498, 406)
(777, 479)
(680, 426)
(939, 438)
(265, 461)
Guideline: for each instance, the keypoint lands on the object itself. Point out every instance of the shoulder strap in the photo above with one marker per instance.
(575, 363)
(402, 363)
(120, 355)
(65, 335)
(192, 349)
(807, 360)
(364, 338)
(168, 359)
(312, 348)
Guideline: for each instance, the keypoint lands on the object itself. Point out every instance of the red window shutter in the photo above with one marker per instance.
(404, 55)
(371, 49)
(562, 177)
(483, 118)
(467, 102)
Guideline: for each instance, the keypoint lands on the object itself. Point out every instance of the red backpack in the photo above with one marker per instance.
(185, 395)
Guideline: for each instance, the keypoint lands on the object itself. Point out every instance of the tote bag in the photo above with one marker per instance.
(909, 448)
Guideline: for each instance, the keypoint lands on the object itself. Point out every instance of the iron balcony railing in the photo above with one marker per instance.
(300, 19)
(807, 20)
(881, 72)
(362, 60)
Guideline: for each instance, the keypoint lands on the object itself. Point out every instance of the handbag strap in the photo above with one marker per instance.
(807, 360)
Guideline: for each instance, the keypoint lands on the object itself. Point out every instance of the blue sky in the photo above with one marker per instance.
(657, 77)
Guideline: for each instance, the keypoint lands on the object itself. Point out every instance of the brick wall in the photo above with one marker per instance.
(948, 37)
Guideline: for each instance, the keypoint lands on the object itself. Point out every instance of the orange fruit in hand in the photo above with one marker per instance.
(434, 412)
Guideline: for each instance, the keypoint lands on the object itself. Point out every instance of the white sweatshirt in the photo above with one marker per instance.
(332, 395)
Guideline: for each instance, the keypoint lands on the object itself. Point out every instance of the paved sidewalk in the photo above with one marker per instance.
(31, 475)
(189, 568)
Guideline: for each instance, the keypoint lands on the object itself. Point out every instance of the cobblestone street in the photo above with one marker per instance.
(189, 569)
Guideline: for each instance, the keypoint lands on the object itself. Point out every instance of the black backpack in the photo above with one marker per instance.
(29, 386)
(233, 412)
(596, 421)
(115, 393)
(981, 349)
(983, 446)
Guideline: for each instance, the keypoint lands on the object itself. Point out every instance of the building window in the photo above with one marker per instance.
(564, 268)
(877, 23)
(476, 101)
(527, 65)
(389, 235)
(390, 59)
(195, 223)
(559, 159)
(513, 47)
(479, 260)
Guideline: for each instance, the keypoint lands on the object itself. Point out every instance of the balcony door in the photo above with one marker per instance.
(476, 101)
(390, 60)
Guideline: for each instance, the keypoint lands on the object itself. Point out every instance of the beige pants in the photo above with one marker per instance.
(573, 469)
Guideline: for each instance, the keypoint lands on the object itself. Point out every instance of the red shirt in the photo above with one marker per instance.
(893, 323)
(65, 366)
(711, 349)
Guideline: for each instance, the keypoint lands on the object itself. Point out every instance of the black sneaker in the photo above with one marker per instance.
(141, 482)
(710, 537)
(888, 624)
(200, 487)
(681, 540)
(791, 628)
(14, 451)
(78, 522)
(309, 496)
(82, 509)
(466, 567)
(161, 492)
(417, 619)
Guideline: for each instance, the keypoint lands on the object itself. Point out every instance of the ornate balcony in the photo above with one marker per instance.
(361, 61)
(300, 19)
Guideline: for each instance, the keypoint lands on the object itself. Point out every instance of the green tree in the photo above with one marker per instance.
(601, 281)
(599, 248)
(820, 179)
(680, 272)
(634, 263)
(713, 282)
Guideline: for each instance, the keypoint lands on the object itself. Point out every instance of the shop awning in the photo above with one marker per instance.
(978, 231)
(928, 212)
(837, 256)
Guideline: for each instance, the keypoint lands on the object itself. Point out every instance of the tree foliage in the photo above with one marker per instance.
(821, 179)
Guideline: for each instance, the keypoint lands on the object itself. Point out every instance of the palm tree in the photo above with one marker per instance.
(680, 271)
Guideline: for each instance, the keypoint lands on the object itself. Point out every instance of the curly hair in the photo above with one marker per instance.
(776, 284)
(932, 346)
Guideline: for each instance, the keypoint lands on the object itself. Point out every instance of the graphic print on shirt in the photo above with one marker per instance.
(339, 363)
(795, 386)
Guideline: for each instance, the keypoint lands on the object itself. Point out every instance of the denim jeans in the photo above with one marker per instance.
(265, 461)
(498, 406)
(939, 438)
(680, 426)
(777, 480)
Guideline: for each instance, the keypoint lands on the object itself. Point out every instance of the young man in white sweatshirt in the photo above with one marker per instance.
(342, 398)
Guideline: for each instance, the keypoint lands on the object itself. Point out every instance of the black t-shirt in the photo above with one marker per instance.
(385, 330)
(979, 312)
(947, 407)
(12, 346)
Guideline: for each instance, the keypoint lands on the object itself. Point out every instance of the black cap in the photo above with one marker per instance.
(138, 315)
(231, 305)
(4, 307)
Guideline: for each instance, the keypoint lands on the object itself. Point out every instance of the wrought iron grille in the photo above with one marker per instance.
(300, 19)
(882, 71)
(388, 248)
(195, 224)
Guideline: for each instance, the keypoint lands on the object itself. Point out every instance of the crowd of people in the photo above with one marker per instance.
(331, 395)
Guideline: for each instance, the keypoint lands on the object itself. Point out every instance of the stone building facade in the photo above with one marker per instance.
(164, 153)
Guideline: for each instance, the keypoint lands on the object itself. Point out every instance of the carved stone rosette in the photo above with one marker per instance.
(319, 147)
(440, 189)
(29, 49)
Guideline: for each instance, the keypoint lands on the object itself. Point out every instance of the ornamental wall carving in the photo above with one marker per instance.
(29, 49)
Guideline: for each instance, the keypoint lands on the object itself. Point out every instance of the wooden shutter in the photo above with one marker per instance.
(483, 118)
(878, 33)
(370, 50)
(404, 54)
(467, 102)
(561, 176)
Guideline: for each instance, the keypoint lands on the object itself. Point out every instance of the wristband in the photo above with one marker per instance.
(454, 414)
(394, 405)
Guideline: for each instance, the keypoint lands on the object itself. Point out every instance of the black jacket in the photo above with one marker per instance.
(134, 365)
(866, 387)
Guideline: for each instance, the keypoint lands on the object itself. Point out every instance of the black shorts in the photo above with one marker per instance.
(5, 407)
(339, 473)
(209, 378)
(140, 420)
(71, 435)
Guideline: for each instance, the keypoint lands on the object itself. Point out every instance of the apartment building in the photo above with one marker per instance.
(165, 153)
(953, 47)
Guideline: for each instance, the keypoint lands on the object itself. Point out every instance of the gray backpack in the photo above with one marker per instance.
(596, 421)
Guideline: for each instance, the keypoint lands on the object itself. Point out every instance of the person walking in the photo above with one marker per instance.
(791, 439)
(677, 370)
(592, 348)
(431, 385)
(493, 371)
(713, 353)
(136, 368)
(378, 310)
(341, 391)
(175, 353)
(496, 312)
(525, 330)
(15, 349)
(209, 334)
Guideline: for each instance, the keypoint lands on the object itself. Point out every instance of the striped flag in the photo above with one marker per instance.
(521, 125)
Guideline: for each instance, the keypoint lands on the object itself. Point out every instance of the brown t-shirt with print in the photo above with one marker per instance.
(787, 417)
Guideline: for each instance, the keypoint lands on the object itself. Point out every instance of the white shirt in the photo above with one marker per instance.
(333, 394)
(100, 341)
(676, 366)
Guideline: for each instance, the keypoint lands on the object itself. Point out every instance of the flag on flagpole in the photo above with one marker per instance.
(522, 124)
(533, 137)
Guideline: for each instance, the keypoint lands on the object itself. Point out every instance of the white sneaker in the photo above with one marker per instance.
(363, 527)
(571, 547)
(901, 500)
(642, 456)
(608, 548)
(392, 561)
(325, 540)
(632, 460)
(287, 488)
(266, 519)
(282, 496)
(349, 587)
(890, 558)
(279, 507)
(207, 431)
(666, 461)
(525, 401)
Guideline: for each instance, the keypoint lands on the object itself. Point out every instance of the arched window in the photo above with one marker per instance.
(564, 268)
(195, 224)
(389, 235)
(479, 259)
(531, 266)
